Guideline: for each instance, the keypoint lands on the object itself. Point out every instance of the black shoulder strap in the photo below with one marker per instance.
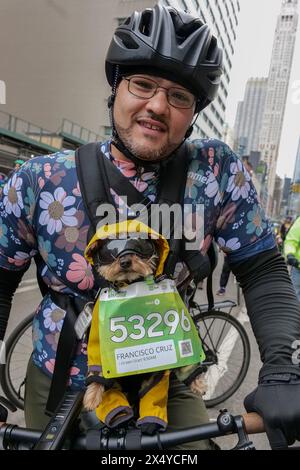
(172, 188)
(95, 171)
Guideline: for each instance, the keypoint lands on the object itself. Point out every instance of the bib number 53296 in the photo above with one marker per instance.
(156, 325)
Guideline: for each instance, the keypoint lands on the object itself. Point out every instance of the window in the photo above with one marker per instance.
(107, 131)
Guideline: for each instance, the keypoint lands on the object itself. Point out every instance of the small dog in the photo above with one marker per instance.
(123, 262)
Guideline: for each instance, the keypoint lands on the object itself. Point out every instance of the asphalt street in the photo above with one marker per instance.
(27, 298)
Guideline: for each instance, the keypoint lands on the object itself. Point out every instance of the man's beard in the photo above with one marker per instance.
(139, 151)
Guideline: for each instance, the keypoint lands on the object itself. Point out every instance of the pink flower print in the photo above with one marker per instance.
(41, 182)
(52, 339)
(47, 170)
(20, 258)
(50, 365)
(141, 184)
(80, 273)
(76, 191)
(227, 216)
(126, 168)
(216, 169)
(73, 371)
(25, 232)
(211, 155)
(205, 244)
(72, 237)
(82, 349)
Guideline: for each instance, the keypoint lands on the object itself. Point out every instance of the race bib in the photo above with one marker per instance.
(146, 327)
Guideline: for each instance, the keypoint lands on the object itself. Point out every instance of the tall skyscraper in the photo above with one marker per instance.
(278, 82)
(249, 116)
(296, 177)
(295, 194)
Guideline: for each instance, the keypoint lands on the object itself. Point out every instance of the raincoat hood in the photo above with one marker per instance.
(127, 229)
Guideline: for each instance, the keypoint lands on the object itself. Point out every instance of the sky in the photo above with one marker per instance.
(253, 49)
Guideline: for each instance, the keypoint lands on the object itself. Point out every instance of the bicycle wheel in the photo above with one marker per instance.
(227, 348)
(18, 352)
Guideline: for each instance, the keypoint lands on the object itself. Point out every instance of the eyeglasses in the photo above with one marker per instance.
(146, 88)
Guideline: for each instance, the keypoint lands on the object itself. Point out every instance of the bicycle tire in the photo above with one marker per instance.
(244, 342)
(11, 385)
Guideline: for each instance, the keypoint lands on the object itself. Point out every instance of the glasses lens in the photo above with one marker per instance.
(145, 88)
(142, 87)
(180, 98)
(114, 248)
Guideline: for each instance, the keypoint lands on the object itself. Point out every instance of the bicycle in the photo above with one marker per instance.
(63, 432)
(218, 330)
(18, 351)
(227, 349)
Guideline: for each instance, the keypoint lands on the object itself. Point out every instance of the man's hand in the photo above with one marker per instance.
(292, 261)
(276, 400)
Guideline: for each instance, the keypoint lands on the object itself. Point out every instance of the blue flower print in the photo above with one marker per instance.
(37, 336)
(256, 223)
(3, 233)
(45, 251)
(29, 203)
(68, 159)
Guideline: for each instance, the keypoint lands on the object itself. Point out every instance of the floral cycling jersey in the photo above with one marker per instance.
(41, 210)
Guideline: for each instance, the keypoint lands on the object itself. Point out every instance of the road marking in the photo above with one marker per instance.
(32, 280)
(216, 372)
(26, 289)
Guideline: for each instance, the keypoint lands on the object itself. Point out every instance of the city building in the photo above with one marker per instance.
(286, 208)
(52, 62)
(295, 189)
(249, 116)
(228, 135)
(223, 17)
(277, 198)
(277, 89)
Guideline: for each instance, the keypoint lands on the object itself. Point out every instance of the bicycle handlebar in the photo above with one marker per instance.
(13, 437)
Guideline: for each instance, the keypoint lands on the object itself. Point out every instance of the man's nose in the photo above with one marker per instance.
(159, 102)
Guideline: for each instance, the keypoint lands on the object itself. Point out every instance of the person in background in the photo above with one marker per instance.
(18, 163)
(224, 276)
(292, 253)
(285, 227)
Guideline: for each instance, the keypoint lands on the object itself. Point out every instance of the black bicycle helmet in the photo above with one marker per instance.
(172, 44)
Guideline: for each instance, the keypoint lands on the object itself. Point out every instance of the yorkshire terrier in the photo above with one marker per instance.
(122, 262)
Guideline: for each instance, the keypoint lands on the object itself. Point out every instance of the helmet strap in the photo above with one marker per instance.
(191, 128)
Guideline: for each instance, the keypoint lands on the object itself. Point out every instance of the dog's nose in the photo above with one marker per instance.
(125, 262)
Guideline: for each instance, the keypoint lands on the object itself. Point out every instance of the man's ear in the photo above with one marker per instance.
(110, 101)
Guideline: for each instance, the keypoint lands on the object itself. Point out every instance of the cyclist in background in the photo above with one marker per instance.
(164, 67)
(292, 253)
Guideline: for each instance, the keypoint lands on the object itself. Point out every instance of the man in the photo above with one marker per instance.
(164, 67)
(285, 227)
(292, 253)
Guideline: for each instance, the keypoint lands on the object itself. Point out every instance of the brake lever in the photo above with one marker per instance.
(244, 443)
(228, 423)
